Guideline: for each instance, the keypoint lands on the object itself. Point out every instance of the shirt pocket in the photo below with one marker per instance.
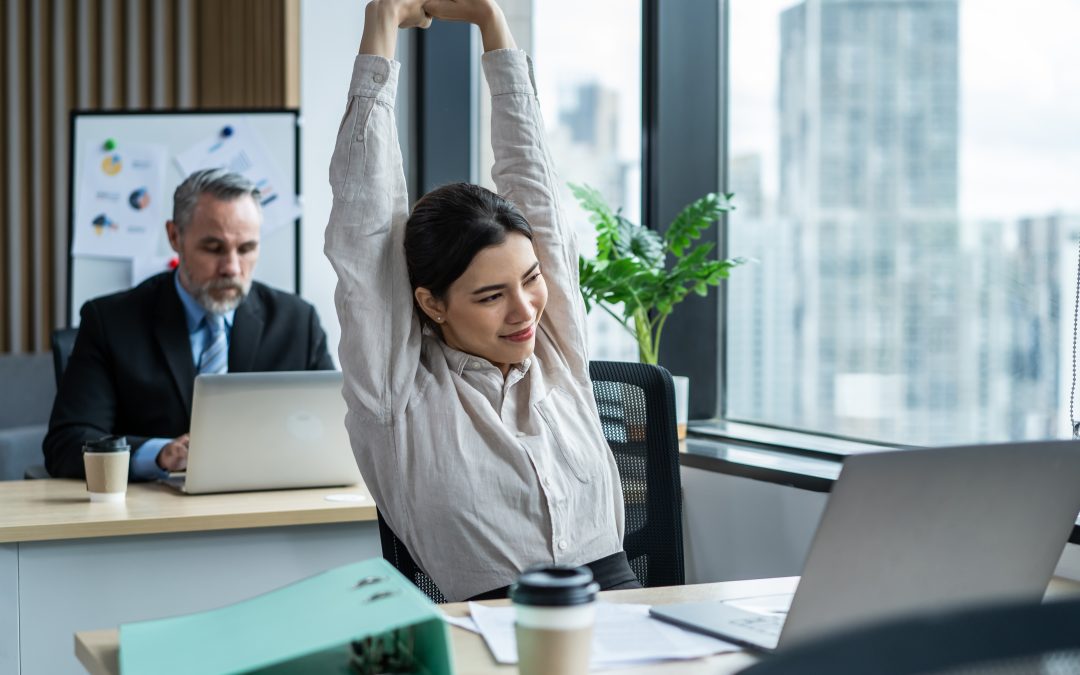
(346, 164)
(569, 432)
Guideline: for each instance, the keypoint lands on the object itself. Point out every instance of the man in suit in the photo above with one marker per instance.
(133, 366)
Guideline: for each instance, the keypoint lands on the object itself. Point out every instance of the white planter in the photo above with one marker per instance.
(682, 403)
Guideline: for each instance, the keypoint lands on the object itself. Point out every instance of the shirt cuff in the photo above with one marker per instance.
(144, 461)
(374, 77)
(509, 71)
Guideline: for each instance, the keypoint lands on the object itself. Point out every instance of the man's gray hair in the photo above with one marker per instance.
(218, 183)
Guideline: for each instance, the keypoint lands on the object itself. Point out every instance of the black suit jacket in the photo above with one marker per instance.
(131, 370)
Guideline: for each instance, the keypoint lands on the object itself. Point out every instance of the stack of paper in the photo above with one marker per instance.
(624, 635)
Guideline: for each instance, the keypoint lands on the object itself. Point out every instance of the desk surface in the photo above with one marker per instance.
(45, 510)
(98, 650)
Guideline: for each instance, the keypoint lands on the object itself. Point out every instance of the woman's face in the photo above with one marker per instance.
(493, 309)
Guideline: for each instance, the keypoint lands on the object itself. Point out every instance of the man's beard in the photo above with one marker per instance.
(203, 294)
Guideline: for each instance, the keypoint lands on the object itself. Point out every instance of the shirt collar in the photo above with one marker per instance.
(194, 313)
(459, 361)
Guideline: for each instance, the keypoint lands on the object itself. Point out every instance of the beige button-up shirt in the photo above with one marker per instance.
(479, 475)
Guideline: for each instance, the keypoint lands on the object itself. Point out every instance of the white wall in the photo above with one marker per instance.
(737, 528)
(329, 37)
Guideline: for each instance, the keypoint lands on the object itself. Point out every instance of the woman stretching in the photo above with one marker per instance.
(470, 409)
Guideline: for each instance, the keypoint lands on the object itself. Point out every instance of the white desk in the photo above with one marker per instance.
(68, 565)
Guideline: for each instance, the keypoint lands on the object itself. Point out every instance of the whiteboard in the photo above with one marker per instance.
(279, 250)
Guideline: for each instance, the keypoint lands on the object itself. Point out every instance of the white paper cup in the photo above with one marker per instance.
(106, 463)
(555, 609)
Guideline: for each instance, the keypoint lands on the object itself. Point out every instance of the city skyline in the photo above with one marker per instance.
(882, 309)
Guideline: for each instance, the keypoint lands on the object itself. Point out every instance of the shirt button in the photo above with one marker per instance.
(562, 545)
(520, 434)
(547, 484)
(379, 78)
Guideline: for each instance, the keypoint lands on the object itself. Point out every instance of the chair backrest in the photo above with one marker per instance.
(637, 412)
(397, 555)
(1012, 639)
(63, 340)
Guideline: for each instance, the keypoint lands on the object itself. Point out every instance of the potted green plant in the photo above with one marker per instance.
(631, 279)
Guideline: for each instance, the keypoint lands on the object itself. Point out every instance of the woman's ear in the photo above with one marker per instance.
(430, 305)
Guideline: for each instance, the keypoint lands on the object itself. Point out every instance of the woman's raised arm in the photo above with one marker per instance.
(523, 171)
(380, 337)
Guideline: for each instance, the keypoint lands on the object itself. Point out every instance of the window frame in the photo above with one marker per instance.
(684, 156)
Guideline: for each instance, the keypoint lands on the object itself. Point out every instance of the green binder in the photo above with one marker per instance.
(360, 618)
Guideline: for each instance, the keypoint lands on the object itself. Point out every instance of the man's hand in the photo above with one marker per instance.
(173, 456)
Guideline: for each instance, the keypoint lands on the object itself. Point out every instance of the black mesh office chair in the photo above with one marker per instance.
(63, 341)
(397, 555)
(637, 411)
(1014, 639)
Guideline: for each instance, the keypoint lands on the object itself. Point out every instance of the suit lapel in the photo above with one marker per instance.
(170, 328)
(247, 331)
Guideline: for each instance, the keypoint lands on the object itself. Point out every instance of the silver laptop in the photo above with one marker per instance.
(267, 431)
(914, 530)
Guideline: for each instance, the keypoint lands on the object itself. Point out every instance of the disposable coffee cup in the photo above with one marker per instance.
(554, 609)
(106, 462)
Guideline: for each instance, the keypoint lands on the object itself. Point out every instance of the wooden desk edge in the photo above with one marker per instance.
(192, 523)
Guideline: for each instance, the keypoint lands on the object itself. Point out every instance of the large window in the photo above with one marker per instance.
(907, 174)
(587, 59)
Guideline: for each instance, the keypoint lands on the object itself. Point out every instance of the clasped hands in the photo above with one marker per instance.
(419, 13)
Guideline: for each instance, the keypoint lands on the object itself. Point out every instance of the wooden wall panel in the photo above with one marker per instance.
(62, 55)
(5, 319)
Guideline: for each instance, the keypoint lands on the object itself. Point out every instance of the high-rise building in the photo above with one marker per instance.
(585, 140)
(867, 224)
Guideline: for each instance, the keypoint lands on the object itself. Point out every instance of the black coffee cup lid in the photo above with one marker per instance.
(554, 586)
(107, 444)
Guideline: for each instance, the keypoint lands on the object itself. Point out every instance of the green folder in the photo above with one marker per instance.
(333, 622)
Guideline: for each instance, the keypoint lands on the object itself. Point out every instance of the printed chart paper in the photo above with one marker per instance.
(239, 148)
(118, 210)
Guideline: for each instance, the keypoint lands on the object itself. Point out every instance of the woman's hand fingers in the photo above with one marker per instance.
(406, 13)
(472, 11)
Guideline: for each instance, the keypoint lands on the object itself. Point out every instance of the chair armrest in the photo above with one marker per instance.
(20, 448)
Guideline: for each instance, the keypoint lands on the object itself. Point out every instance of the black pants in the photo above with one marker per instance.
(612, 572)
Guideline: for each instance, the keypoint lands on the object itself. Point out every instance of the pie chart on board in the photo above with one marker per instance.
(139, 199)
(101, 223)
(111, 165)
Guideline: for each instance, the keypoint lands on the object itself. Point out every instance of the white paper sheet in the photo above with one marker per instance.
(464, 622)
(118, 208)
(624, 635)
(240, 149)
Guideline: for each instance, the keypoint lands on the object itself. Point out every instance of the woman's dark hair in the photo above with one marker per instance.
(448, 227)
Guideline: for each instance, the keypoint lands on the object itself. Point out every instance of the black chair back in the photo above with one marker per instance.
(63, 341)
(637, 412)
(1012, 639)
(393, 549)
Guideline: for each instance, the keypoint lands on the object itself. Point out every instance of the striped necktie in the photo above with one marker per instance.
(215, 357)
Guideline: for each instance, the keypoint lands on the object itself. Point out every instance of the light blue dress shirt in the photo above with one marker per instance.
(144, 460)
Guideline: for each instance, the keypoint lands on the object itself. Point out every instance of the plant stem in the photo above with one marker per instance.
(657, 330)
(643, 330)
